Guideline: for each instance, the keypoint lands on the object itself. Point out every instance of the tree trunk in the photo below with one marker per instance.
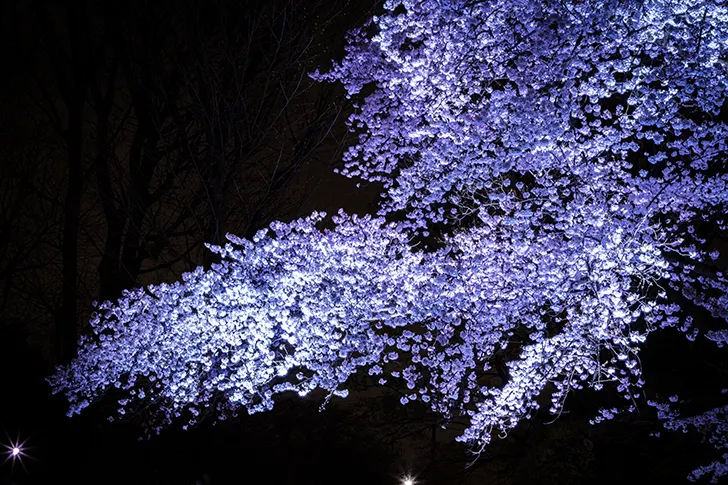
(66, 319)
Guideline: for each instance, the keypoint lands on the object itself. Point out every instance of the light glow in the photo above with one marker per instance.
(16, 450)
(408, 480)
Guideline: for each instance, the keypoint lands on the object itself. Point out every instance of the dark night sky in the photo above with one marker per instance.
(146, 205)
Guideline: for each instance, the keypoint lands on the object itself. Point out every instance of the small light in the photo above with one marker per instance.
(15, 451)
(408, 480)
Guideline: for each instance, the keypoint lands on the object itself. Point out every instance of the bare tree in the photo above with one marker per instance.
(165, 125)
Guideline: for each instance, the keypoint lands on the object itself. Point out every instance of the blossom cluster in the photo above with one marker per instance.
(562, 163)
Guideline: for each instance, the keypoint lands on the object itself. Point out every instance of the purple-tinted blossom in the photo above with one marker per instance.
(571, 150)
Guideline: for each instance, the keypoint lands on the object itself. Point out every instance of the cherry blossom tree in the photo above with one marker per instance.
(554, 190)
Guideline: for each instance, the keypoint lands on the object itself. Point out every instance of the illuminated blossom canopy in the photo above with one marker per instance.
(550, 172)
